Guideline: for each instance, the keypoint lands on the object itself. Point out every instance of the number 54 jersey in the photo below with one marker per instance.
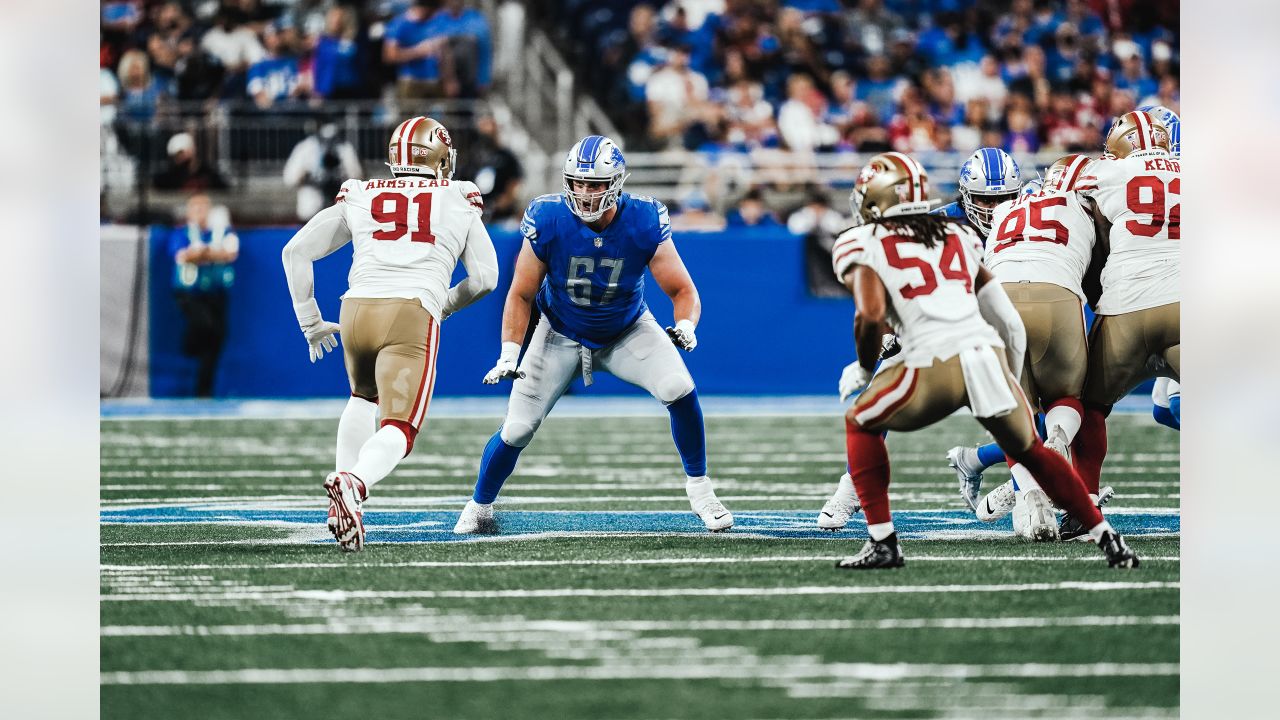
(408, 234)
(1140, 195)
(932, 305)
(594, 288)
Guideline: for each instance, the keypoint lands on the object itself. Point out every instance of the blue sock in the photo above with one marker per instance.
(1175, 407)
(990, 454)
(1040, 428)
(687, 431)
(1164, 416)
(496, 465)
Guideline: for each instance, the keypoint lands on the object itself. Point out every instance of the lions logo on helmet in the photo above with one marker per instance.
(1170, 120)
(989, 177)
(594, 171)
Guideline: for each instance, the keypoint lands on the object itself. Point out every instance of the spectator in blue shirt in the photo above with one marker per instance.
(470, 48)
(203, 251)
(276, 77)
(140, 93)
(414, 44)
(751, 213)
(335, 65)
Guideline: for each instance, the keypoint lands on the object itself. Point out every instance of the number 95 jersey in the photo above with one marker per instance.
(408, 234)
(594, 288)
(1046, 237)
(932, 305)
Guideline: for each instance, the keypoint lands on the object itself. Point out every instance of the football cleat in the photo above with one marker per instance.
(1118, 553)
(963, 460)
(346, 519)
(1071, 528)
(712, 511)
(1034, 517)
(997, 503)
(476, 519)
(842, 505)
(875, 554)
(1059, 443)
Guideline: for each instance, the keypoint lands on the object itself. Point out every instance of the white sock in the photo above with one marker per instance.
(880, 531)
(380, 455)
(1096, 531)
(1064, 417)
(697, 486)
(1022, 479)
(358, 423)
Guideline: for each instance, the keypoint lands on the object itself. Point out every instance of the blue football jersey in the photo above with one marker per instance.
(594, 288)
(952, 210)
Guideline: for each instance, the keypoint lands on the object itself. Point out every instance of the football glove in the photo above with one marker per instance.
(853, 379)
(682, 335)
(889, 346)
(318, 332)
(506, 368)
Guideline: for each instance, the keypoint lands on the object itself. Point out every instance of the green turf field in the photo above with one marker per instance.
(222, 596)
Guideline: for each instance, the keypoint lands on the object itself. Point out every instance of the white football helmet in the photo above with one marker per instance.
(989, 177)
(596, 159)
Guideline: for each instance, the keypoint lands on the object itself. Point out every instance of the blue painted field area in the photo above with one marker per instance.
(401, 526)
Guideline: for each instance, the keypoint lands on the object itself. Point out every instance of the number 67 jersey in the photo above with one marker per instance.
(408, 234)
(1140, 196)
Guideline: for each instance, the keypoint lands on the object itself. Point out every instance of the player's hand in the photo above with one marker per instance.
(889, 346)
(853, 379)
(320, 338)
(506, 368)
(682, 335)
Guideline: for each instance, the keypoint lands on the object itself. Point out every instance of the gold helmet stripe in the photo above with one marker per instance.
(908, 166)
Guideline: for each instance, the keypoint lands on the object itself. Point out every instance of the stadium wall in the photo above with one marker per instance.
(762, 332)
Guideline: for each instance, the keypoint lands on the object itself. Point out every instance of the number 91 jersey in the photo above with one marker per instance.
(1046, 237)
(594, 288)
(1140, 196)
(932, 305)
(408, 234)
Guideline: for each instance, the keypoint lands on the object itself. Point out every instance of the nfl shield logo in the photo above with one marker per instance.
(599, 242)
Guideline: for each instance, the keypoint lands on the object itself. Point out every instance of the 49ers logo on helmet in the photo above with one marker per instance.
(869, 171)
(444, 136)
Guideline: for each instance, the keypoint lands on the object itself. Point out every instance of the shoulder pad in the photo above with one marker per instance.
(471, 192)
(348, 185)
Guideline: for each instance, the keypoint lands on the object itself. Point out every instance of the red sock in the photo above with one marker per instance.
(869, 467)
(1061, 483)
(1089, 448)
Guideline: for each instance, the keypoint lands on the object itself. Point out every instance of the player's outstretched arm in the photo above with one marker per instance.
(673, 277)
(525, 282)
(481, 262)
(323, 234)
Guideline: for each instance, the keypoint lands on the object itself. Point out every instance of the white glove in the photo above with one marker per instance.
(853, 379)
(319, 334)
(506, 368)
(682, 335)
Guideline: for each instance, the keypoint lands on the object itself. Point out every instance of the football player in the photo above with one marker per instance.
(963, 344)
(409, 233)
(583, 260)
(1040, 248)
(1137, 195)
(988, 178)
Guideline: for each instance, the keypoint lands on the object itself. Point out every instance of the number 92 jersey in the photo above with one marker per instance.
(594, 288)
(932, 305)
(408, 234)
(1140, 196)
(1046, 237)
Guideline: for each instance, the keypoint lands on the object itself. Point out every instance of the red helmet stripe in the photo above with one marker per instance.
(1144, 128)
(405, 136)
(1073, 171)
(909, 166)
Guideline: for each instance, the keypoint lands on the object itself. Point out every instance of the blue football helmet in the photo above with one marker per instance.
(1170, 120)
(989, 177)
(594, 159)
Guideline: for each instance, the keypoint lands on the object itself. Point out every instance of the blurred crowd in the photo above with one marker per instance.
(872, 75)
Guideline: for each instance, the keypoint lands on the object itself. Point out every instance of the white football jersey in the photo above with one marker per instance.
(408, 234)
(1141, 196)
(932, 307)
(1047, 237)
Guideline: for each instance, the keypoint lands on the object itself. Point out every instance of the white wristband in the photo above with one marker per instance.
(510, 352)
(686, 325)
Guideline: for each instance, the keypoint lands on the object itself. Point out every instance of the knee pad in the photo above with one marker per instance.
(410, 433)
(673, 387)
(517, 433)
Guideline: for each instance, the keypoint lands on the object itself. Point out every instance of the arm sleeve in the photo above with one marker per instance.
(664, 222)
(323, 234)
(530, 228)
(481, 262)
(850, 249)
(999, 312)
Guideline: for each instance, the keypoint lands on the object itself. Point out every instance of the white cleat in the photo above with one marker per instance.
(1057, 442)
(842, 505)
(710, 510)
(346, 518)
(964, 460)
(997, 503)
(1034, 517)
(476, 519)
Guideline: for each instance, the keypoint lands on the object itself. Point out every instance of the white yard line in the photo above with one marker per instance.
(230, 594)
(479, 629)
(805, 668)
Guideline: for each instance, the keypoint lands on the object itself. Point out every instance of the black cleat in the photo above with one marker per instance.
(1118, 553)
(874, 555)
(1070, 528)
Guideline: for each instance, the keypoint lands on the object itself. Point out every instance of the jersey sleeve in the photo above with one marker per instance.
(851, 248)
(663, 221)
(346, 189)
(536, 225)
(1090, 178)
(471, 192)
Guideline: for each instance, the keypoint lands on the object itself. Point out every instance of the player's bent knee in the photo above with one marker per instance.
(410, 433)
(673, 387)
(518, 434)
